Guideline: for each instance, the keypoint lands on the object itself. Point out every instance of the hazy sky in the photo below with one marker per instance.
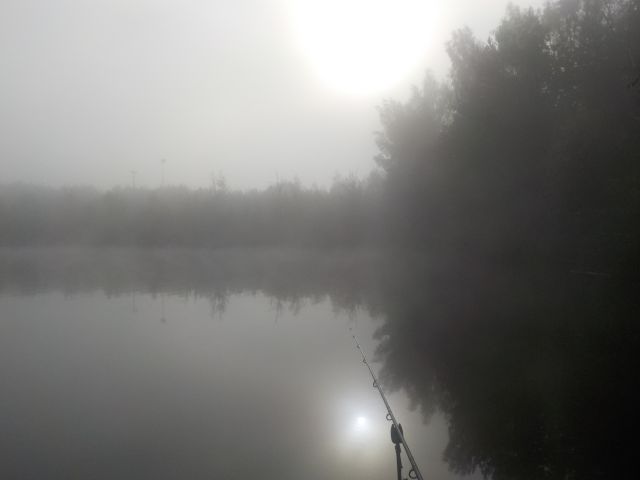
(257, 90)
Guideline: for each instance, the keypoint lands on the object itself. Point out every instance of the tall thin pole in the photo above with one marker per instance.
(390, 415)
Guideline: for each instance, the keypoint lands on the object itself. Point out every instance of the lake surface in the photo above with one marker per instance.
(180, 364)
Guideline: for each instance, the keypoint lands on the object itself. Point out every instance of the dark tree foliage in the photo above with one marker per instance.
(532, 149)
(521, 179)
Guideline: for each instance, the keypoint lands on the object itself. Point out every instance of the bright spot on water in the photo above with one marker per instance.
(361, 423)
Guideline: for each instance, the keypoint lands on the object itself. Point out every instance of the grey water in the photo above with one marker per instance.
(176, 384)
(170, 364)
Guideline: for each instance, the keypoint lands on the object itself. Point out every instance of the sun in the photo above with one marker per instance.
(363, 46)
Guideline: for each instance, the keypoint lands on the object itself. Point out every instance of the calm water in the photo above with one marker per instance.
(235, 364)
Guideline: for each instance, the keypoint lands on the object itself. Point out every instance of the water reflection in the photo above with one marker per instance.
(533, 369)
(93, 389)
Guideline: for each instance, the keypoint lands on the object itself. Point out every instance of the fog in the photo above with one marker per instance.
(200, 203)
(93, 91)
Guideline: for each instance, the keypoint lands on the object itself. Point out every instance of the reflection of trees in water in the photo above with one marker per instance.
(288, 276)
(535, 370)
(218, 301)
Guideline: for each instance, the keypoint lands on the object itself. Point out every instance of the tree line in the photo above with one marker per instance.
(284, 214)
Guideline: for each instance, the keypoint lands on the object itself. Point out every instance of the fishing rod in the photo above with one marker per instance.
(396, 431)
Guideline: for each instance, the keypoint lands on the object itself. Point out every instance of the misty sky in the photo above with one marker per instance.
(256, 90)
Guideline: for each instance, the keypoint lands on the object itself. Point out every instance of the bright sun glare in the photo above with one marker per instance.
(363, 46)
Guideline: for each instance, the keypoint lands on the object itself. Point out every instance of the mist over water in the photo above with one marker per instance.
(165, 363)
(174, 364)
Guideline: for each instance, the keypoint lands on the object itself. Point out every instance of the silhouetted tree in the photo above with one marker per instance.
(531, 150)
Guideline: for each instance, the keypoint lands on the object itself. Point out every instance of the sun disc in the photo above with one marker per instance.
(359, 46)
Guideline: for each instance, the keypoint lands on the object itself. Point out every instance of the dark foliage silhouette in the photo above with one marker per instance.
(521, 178)
(531, 151)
